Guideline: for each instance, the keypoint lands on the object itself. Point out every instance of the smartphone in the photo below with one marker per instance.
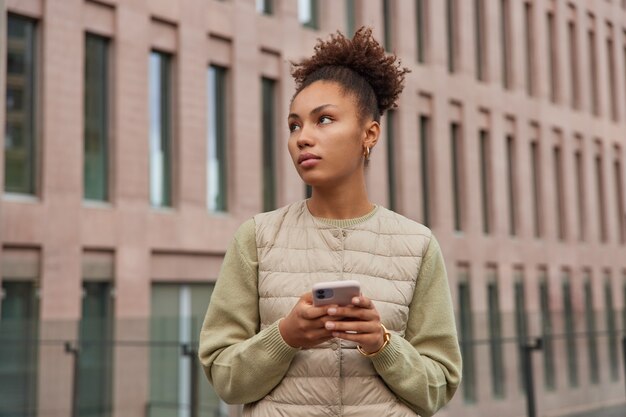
(335, 292)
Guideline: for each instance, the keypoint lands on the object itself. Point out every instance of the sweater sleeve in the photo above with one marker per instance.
(242, 363)
(424, 368)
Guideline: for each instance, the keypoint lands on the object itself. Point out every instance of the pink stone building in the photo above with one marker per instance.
(139, 134)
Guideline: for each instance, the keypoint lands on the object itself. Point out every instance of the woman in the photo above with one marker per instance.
(263, 343)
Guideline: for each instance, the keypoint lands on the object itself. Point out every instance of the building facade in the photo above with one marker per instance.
(139, 134)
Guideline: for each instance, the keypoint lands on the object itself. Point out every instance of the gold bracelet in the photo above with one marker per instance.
(387, 338)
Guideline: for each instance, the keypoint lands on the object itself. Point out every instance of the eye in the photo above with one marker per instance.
(324, 120)
(293, 127)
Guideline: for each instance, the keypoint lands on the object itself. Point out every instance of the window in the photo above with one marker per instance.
(452, 28)
(505, 42)
(265, 6)
(530, 48)
(512, 180)
(268, 94)
(559, 193)
(611, 326)
(592, 338)
(391, 160)
(424, 128)
(593, 69)
(96, 145)
(600, 196)
(498, 377)
(466, 327)
(552, 68)
(177, 313)
(160, 129)
(308, 13)
(535, 169)
(95, 359)
(580, 194)
(217, 158)
(570, 330)
(18, 354)
(610, 57)
(388, 25)
(619, 196)
(20, 141)
(422, 29)
(481, 46)
(485, 179)
(457, 174)
(573, 60)
(350, 17)
(547, 332)
(521, 322)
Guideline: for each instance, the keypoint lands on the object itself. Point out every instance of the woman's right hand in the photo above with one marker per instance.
(304, 326)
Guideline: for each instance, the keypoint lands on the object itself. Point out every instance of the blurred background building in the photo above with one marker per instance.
(140, 133)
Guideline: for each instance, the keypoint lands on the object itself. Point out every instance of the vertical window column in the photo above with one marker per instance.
(572, 43)
(485, 178)
(600, 196)
(466, 330)
(350, 17)
(480, 28)
(552, 61)
(580, 191)
(425, 160)
(619, 196)
(547, 331)
(96, 122)
(593, 66)
(268, 97)
(511, 162)
(535, 169)
(592, 338)
(308, 13)
(611, 75)
(392, 183)
(498, 377)
(421, 10)
(456, 159)
(217, 146)
(505, 43)
(570, 330)
(611, 327)
(20, 140)
(529, 28)
(521, 321)
(452, 33)
(388, 25)
(559, 193)
(160, 129)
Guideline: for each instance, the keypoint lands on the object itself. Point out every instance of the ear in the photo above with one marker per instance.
(371, 134)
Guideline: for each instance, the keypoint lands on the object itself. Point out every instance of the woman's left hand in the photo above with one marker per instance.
(358, 322)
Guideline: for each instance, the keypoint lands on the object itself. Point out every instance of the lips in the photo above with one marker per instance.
(306, 157)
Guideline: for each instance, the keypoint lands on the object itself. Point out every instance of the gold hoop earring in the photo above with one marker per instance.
(367, 153)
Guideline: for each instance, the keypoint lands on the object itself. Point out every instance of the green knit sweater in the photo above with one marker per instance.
(244, 364)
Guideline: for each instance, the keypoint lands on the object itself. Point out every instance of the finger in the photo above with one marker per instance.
(358, 313)
(360, 327)
(311, 313)
(363, 302)
(360, 338)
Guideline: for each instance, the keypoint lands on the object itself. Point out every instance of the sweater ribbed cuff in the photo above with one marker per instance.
(389, 355)
(276, 346)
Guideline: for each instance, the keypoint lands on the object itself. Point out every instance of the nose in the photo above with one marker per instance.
(305, 138)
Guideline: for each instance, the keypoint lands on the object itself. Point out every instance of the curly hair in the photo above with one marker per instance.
(360, 65)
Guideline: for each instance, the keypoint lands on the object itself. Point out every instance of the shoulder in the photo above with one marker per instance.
(399, 224)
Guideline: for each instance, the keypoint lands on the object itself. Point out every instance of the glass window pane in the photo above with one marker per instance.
(391, 160)
(95, 179)
(570, 331)
(217, 166)
(95, 360)
(20, 144)
(308, 13)
(611, 327)
(425, 161)
(547, 333)
(456, 150)
(18, 354)
(466, 335)
(269, 143)
(160, 130)
(592, 338)
(498, 377)
(521, 323)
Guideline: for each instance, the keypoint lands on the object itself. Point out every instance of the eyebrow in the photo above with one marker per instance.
(318, 109)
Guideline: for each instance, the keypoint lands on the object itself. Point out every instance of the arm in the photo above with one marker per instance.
(242, 363)
(424, 367)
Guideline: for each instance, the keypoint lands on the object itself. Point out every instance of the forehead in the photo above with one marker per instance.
(320, 93)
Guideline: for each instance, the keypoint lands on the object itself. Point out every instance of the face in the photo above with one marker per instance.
(327, 135)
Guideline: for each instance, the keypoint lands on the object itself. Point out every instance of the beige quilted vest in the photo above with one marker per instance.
(295, 250)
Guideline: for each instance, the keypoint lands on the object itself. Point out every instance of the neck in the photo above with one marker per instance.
(347, 202)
